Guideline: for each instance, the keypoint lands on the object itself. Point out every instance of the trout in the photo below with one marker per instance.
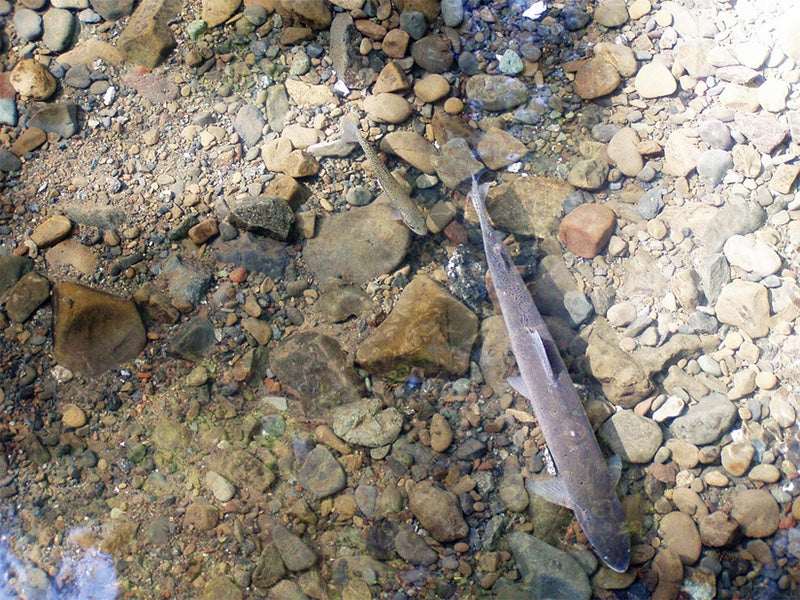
(584, 482)
(400, 200)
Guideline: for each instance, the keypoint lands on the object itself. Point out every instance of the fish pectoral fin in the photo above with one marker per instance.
(551, 489)
(615, 468)
(541, 354)
(518, 384)
(395, 215)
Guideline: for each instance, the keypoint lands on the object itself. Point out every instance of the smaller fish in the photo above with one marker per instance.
(400, 200)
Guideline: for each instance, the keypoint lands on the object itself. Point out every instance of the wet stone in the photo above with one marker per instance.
(587, 229)
(438, 512)
(263, 215)
(757, 512)
(412, 548)
(193, 340)
(744, 304)
(295, 553)
(706, 421)
(60, 118)
(321, 474)
(496, 92)
(736, 457)
(365, 424)
(633, 437)
(679, 533)
(94, 331)
(28, 294)
(548, 572)
(718, 530)
(13, 267)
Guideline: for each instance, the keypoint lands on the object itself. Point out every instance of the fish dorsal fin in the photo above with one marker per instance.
(518, 384)
(615, 468)
(551, 489)
(541, 355)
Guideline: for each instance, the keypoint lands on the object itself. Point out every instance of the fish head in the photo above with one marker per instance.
(603, 521)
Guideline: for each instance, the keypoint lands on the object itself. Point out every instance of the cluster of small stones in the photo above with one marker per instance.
(650, 148)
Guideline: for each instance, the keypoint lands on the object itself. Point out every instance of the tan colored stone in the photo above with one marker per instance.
(32, 80)
(595, 78)
(51, 231)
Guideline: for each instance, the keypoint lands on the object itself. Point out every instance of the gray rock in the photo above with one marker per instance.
(496, 92)
(714, 272)
(413, 23)
(248, 124)
(295, 553)
(452, 12)
(316, 369)
(434, 53)
(111, 10)
(412, 548)
(8, 112)
(715, 133)
(738, 216)
(365, 424)
(276, 107)
(9, 161)
(185, 282)
(345, 54)
(651, 203)
(59, 29)
(59, 117)
(12, 268)
(28, 23)
(358, 245)
(455, 164)
(578, 306)
(633, 437)
(705, 422)
(752, 255)
(193, 339)
(713, 164)
(547, 571)
(321, 474)
(263, 215)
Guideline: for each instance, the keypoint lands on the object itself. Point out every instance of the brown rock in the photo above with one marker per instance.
(718, 530)
(32, 80)
(667, 564)
(392, 78)
(757, 512)
(30, 139)
(147, 39)
(201, 516)
(528, 205)
(438, 511)
(28, 294)
(498, 149)
(299, 163)
(595, 78)
(94, 331)
(202, 232)
(412, 148)
(51, 231)
(679, 533)
(587, 229)
(427, 328)
(71, 253)
(395, 44)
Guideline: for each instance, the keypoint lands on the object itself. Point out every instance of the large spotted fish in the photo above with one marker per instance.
(584, 482)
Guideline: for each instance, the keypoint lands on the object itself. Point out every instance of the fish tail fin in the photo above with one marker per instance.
(349, 129)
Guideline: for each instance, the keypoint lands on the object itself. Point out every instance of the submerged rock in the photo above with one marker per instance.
(427, 328)
(95, 331)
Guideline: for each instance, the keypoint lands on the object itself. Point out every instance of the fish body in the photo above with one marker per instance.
(398, 197)
(584, 482)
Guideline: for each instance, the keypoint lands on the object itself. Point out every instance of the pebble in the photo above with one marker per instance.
(441, 433)
(713, 164)
(218, 485)
(718, 530)
(364, 423)
(706, 421)
(73, 416)
(32, 80)
(679, 533)
(736, 457)
(438, 511)
(654, 80)
(321, 474)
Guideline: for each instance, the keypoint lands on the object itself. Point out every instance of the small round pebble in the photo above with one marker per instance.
(73, 416)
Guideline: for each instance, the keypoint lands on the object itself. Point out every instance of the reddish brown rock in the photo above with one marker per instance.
(595, 78)
(586, 230)
(94, 331)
